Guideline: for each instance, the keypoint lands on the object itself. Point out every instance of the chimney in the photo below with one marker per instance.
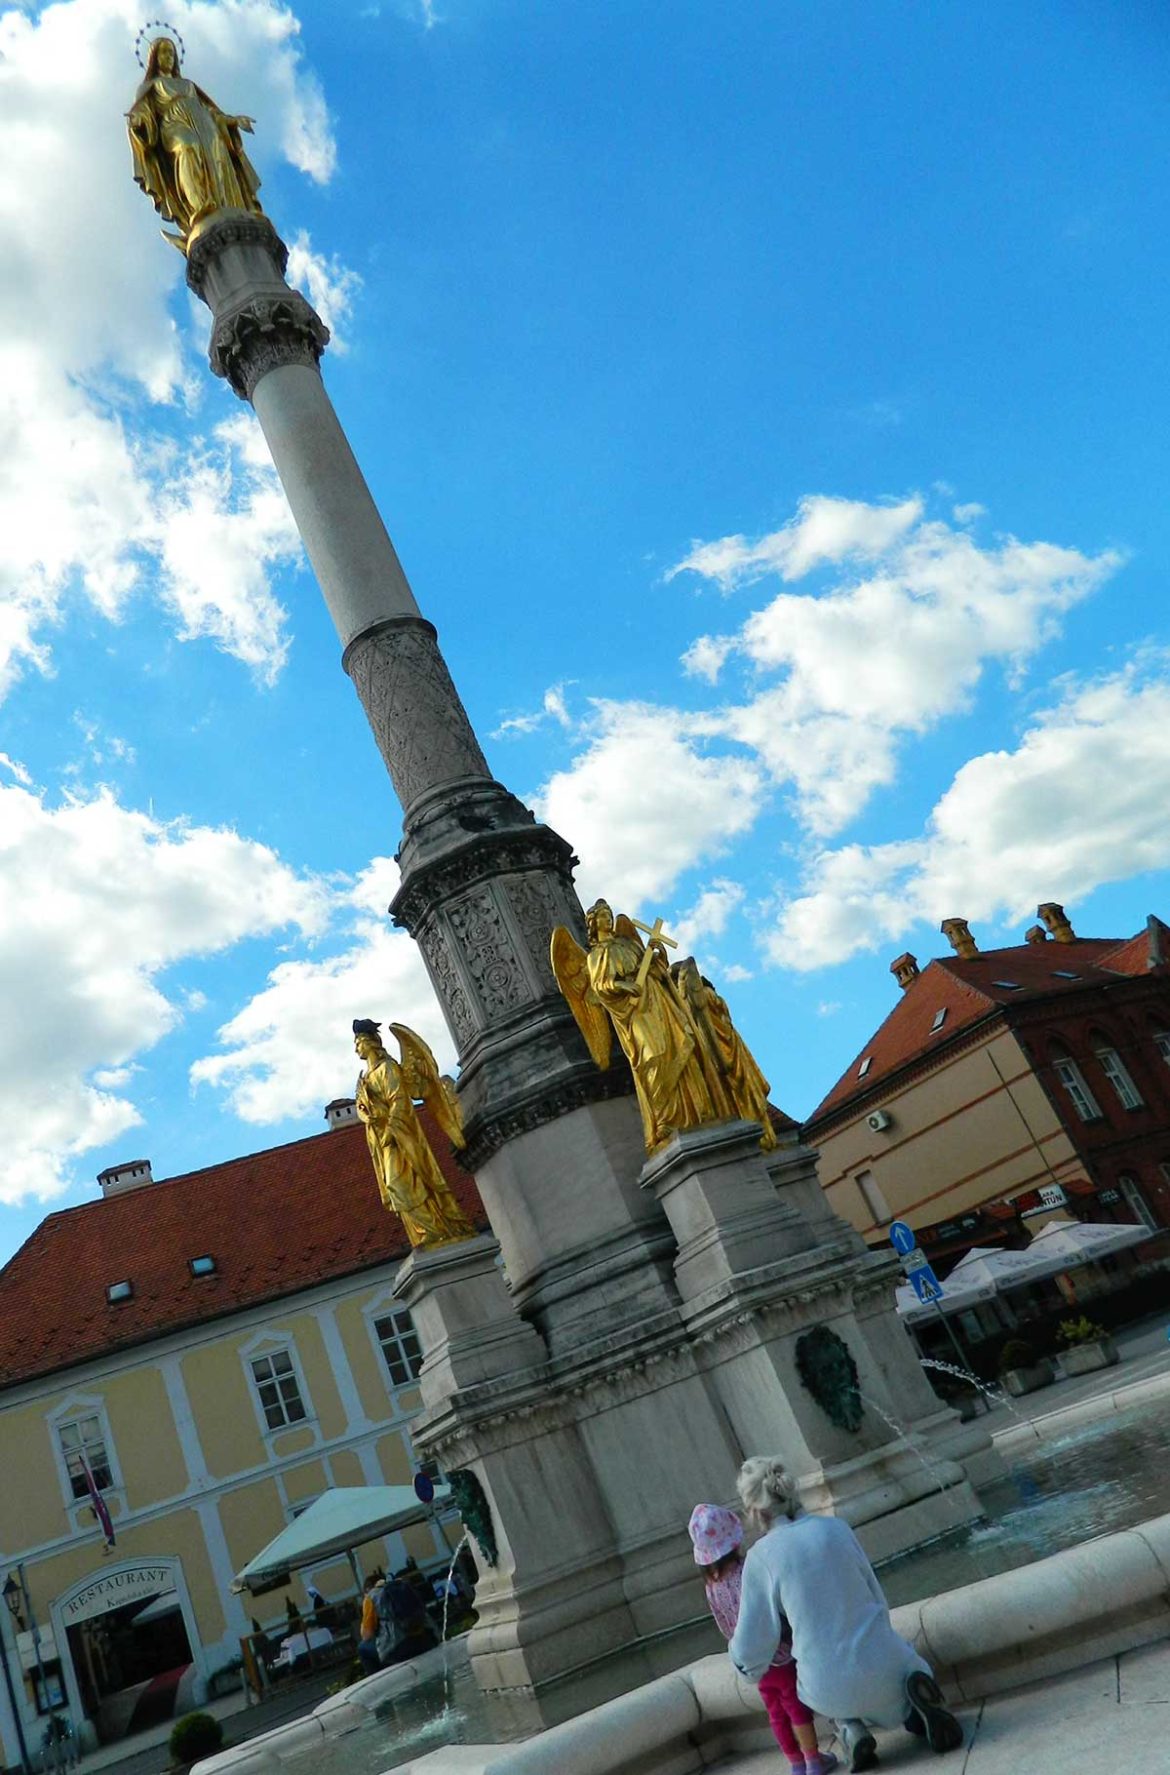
(1036, 933)
(118, 1180)
(959, 937)
(341, 1112)
(1055, 921)
(905, 969)
(1157, 942)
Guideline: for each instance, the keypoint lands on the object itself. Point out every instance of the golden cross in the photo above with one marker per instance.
(655, 932)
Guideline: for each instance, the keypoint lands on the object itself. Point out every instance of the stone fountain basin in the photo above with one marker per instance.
(1106, 1596)
(1089, 1602)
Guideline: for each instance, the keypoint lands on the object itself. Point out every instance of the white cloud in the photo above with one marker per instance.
(708, 917)
(16, 769)
(870, 660)
(823, 530)
(222, 527)
(289, 1051)
(554, 707)
(647, 800)
(91, 488)
(97, 902)
(330, 286)
(1078, 803)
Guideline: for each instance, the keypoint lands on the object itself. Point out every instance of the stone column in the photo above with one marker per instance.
(483, 882)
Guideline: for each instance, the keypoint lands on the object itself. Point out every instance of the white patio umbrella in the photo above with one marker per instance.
(966, 1293)
(1063, 1245)
(334, 1524)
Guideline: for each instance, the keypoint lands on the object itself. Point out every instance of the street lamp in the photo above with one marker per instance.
(12, 1596)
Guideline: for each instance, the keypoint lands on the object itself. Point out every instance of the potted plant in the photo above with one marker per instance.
(195, 1736)
(1021, 1370)
(1086, 1346)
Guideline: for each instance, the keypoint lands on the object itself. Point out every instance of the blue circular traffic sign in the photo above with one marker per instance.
(424, 1488)
(902, 1237)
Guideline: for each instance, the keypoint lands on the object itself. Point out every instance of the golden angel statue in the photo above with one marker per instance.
(690, 1064)
(733, 1075)
(621, 986)
(188, 155)
(409, 1178)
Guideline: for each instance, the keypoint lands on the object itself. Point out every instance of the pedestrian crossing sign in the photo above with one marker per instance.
(926, 1285)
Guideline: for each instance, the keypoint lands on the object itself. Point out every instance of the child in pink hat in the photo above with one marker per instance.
(717, 1537)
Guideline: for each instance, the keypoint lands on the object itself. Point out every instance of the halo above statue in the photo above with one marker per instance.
(150, 33)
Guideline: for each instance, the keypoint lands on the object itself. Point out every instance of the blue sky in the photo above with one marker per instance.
(766, 406)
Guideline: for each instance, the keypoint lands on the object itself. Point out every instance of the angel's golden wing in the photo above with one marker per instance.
(425, 1083)
(572, 976)
(625, 927)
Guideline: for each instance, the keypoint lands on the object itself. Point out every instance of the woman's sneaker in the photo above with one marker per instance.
(860, 1746)
(931, 1718)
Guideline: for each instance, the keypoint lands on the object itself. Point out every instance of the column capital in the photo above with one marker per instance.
(236, 264)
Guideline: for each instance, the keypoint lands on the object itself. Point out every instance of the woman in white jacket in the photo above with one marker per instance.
(851, 1664)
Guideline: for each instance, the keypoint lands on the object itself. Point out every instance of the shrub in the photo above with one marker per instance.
(1079, 1331)
(195, 1735)
(1017, 1353)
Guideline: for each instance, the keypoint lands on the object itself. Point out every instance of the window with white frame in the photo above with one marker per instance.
(1073, 1080)
(1114, 1068)
(278, 1389)
(1162, 1043)
(83, 1444)
(872, 1196)
(398, 1341)
(1135, 1200)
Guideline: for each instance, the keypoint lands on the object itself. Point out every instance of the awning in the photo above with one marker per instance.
(338, 1521)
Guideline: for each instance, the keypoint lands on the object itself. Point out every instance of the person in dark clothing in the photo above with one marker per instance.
(405, 1629)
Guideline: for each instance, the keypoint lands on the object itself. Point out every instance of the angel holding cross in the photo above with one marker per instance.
(621, 985)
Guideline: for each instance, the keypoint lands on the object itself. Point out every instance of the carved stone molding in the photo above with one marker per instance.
(414, 709)
(533, 850)
(265, 334)
(538, 908)
(488, 951)
(492, 1129)
(232, 228)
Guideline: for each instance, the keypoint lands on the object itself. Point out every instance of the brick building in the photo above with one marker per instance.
(1007, 1085)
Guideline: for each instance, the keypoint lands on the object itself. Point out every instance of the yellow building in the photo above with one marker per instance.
(214, 1351)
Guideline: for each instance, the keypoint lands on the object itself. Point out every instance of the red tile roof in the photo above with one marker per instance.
(974, 989)
(275, 1222)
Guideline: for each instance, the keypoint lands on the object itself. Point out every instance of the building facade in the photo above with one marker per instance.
(209, 1353)
(1007, 1086)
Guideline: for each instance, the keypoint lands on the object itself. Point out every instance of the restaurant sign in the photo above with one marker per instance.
(1040, 1201)
(130, 1583)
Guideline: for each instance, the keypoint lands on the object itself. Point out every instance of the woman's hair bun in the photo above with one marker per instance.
(767, 1489)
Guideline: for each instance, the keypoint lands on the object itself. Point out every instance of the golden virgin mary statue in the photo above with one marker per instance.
(188, 155)
(409, 1179)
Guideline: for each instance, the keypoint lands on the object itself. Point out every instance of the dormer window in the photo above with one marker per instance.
(119, 1291)
(202, 1266)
